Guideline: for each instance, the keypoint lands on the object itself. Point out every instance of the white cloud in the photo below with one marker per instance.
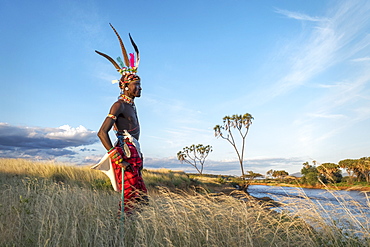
(361, 59)
(67, 132)
(328, 44)
(327, 116)
(299, 16)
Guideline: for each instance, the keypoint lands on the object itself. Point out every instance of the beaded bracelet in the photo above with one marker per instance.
(112, 116)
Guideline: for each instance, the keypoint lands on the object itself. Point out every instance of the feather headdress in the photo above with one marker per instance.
(128, 68)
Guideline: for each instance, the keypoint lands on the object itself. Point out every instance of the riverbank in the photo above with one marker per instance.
(219, 182)
(330, 187)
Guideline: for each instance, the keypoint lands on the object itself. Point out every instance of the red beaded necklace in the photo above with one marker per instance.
(126, 99)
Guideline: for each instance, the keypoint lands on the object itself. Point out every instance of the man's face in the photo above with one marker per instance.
(134, 89)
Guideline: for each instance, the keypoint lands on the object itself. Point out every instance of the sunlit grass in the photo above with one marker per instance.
(168, 178)
(41, 211)
(341, 216)
(57, 172)
(85, 176)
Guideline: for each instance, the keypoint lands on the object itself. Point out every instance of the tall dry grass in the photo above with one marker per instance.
(57, 172)
(40, 211)
(340, 216)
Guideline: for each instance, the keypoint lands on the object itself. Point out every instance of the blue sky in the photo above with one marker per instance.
(300, 68)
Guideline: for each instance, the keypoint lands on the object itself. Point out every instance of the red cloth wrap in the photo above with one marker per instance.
(134, 183)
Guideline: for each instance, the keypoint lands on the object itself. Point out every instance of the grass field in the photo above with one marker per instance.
(48, 204)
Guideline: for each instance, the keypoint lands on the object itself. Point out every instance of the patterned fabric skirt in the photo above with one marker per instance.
(135, 190)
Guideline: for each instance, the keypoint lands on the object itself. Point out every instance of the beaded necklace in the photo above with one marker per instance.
(126, 99)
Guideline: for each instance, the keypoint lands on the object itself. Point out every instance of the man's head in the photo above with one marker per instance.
(127, 78)
(131, 85)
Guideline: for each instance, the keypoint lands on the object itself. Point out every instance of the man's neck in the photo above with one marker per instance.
(126, 99)
(127, 94)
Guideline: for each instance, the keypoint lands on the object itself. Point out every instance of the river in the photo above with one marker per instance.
(344, 209)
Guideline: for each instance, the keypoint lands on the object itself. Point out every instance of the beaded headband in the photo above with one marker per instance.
(128, 69)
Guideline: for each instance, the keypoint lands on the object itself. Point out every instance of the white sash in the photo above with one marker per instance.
(105, 164)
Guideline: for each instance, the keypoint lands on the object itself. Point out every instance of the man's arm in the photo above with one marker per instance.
(115, 110)
(107, 126)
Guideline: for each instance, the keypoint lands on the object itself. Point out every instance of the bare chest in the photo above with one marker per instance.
(127, 119)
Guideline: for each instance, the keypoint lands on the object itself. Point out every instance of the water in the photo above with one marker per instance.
(348, 210)
(279, 193)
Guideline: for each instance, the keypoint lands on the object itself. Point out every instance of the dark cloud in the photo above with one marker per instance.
(91, 160)
(87, 149)
(44, 138)
(39, 154)
(43, 143)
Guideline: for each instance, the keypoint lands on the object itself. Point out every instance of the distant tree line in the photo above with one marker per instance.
(327, 173)
(358, 171)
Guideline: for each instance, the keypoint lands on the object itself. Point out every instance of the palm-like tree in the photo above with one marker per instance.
(359, 168)
(363, 164)
(194, 154)
(329, 170)
(241, 124)
(351, 167)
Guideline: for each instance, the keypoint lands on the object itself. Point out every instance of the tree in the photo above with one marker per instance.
(359, 168)
(330, 172)
(351, 168)
(194, 154)
(252, 175)
(363, 165)
(279, 174)
(270, 172)
(241, 124)
(310, 174)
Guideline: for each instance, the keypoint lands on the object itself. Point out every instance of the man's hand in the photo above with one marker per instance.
(125, 165)
(115, 156)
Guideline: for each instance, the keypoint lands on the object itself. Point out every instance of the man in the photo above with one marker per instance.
(123, 118)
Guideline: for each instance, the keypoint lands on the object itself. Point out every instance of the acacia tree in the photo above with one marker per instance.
(194, 154)
(270, 172)
(279, 174)
(253, 175)
(351, 168)
(359, 168)
(363, 165)
(330, 171)
(241, 124)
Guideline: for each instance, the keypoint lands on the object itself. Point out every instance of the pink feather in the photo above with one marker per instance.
(132, 60)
